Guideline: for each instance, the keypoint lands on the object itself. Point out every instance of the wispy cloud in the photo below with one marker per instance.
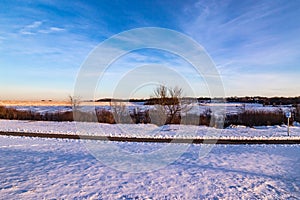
(34, 25)
(247, 37)
(39, 27)
(51, 30)
(31, 29)
(220, 27)
(253, 38)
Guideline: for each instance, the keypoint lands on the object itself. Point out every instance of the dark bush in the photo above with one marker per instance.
(139, 117)
(175, 119)
(247, 118)
(297, 113)
(256, 118)
(204, 120)
(231, 120)
(65, 116)
(85, 116)
(105, 116)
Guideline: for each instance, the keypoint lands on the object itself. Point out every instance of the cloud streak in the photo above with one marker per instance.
(31, 28)
(246, 37)
(39, 27)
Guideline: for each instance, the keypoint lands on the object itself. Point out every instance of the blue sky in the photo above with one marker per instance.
(255, 45)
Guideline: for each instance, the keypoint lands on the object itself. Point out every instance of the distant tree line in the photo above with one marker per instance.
(274, 101)
(120, 100)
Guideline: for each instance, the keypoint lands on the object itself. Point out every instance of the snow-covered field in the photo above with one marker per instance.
(39, 168)
(64, 169)
(149, 130)
(231, 108)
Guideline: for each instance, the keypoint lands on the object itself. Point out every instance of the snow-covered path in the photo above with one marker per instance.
(64, 169)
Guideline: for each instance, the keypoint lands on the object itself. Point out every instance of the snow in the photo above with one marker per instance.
(150, 130)
(40, 168)
(297, 124)
(231, 108)
(36, 168)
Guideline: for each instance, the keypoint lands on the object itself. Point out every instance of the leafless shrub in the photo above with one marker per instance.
(169, 105)
(74, 102)
(120, 112)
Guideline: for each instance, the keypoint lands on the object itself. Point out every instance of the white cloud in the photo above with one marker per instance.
(39, 27)
(51, 30)
(35, 24)
(56, 29)
(31, 28)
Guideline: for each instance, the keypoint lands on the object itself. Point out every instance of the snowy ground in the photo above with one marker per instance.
(231, 108)
(150, 130)
(39, 168)
(64, 169)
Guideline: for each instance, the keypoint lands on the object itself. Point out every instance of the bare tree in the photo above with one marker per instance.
(74, 101)
(120, 112)
(169, 104)
(80, 113)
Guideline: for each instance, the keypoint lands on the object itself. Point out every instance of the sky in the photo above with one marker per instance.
(255, 45)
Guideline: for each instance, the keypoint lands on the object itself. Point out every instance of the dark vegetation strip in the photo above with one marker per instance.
(154, 140)
(248, 118)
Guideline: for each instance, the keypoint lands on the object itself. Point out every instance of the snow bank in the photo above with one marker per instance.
(149, 130)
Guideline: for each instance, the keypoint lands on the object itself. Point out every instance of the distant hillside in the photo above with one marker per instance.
(262, 100)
